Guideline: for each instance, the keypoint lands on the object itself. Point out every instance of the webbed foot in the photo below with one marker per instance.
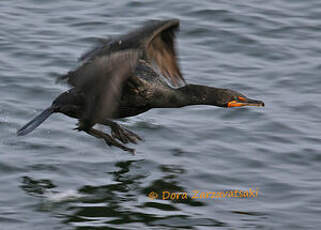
(122, 134)
(110, 141)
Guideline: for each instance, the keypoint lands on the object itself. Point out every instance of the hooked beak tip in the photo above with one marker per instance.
(257, 103)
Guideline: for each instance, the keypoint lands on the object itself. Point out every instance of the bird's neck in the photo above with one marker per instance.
(188, 95)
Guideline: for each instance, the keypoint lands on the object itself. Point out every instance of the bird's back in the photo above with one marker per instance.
(141, 89)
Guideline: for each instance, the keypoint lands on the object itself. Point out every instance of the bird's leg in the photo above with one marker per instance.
(108, 139)
(121, 133)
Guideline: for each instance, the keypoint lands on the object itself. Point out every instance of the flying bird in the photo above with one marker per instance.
(128, 75)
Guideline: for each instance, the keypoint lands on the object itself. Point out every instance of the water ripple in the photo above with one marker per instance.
(68, 180)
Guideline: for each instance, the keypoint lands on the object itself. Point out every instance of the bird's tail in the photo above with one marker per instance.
(34, 123)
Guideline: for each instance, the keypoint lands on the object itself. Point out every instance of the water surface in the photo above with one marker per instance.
(56, 178)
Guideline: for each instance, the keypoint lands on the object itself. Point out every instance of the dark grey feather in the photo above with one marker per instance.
(101, 80)
(101, 42)
(156, 39)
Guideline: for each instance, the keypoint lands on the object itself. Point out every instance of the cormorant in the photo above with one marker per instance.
(129, 75)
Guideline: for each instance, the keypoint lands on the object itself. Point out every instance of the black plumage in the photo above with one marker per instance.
(128, 75)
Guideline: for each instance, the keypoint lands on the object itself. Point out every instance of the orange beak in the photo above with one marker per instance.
(245, 102)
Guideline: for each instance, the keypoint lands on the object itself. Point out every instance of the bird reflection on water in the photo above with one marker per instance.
(106, 205)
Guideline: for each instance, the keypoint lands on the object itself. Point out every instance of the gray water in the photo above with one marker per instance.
(57, 178)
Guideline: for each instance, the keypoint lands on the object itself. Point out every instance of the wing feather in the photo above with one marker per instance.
(160, 48)
(156, 39)
(101, 81)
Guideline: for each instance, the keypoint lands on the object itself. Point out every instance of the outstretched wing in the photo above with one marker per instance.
(156, 39)
(101, 80)
(100, 44)
(160, 48)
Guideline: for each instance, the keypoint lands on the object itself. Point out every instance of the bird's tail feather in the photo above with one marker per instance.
(34, 123)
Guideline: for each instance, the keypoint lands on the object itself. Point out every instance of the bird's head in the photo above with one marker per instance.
(230, 98)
